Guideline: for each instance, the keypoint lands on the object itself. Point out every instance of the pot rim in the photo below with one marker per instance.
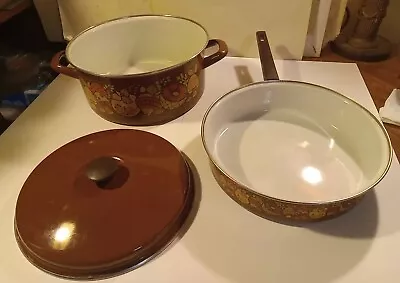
(140, 74)
(306, 203)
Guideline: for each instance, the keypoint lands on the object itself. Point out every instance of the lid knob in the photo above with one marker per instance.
(102, 169)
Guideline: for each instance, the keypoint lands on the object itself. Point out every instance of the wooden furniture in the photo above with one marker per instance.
(6, 14)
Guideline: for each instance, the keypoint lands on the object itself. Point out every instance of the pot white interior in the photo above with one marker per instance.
(136, 45)
(296, 142)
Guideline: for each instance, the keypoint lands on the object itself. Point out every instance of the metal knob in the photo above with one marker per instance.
(102, 169)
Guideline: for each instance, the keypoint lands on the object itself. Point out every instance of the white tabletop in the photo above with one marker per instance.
(224, 242)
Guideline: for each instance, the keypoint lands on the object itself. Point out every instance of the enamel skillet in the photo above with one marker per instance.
(293, 150)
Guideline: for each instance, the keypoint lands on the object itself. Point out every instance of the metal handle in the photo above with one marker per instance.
(57, 66)
(220, 54)
(267, 61)
(102, 169)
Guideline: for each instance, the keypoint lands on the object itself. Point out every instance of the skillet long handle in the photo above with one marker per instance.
(267, 62)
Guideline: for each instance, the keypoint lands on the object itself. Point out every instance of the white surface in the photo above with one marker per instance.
(297, 142)
(316, 27)
(335, 20)
(121, 47)
(390, 112)
(287, 161)
(50, 19)
(225, 243)
(234, 21)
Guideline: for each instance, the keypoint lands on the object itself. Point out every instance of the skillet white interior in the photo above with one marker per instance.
(296, 142)
(135, 45)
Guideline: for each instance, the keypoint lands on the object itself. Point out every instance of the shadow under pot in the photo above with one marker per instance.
(141, 70)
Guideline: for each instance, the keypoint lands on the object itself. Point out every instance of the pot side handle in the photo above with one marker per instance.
(57, 66)
(215, 57)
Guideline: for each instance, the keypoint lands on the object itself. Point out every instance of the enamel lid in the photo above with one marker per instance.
(102, 204)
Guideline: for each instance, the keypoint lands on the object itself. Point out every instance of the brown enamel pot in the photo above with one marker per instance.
(288, 150)
(141, 70)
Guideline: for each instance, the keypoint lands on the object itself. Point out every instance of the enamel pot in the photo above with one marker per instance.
(293, 150)
(141, 70)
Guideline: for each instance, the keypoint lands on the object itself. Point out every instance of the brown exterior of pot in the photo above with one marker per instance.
(276, 209)
(145, 99)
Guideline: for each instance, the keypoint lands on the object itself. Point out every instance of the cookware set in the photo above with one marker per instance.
(108, 202)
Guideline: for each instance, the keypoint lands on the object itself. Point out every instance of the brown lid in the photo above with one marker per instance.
(82, 214)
